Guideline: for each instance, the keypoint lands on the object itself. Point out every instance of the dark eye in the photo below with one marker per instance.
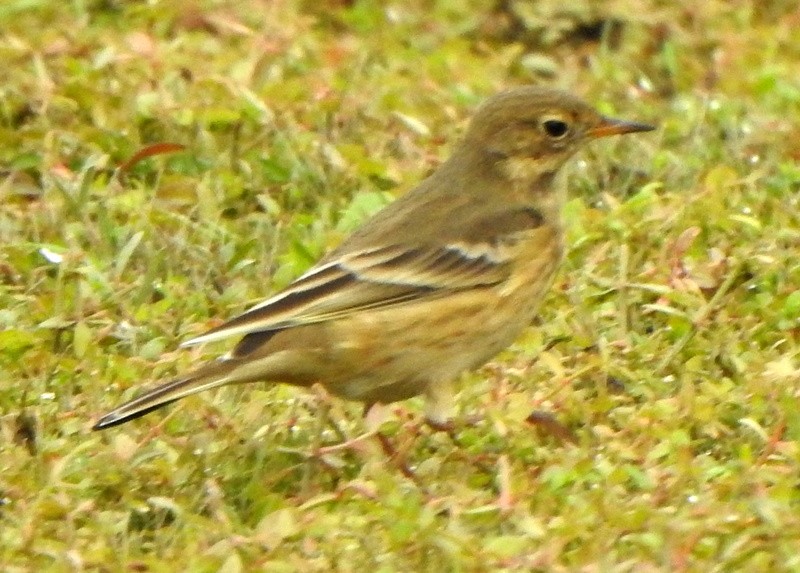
(555, 128)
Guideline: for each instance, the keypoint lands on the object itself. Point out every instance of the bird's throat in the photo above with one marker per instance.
(535, 183)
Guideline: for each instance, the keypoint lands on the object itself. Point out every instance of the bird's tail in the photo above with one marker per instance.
(212, 375)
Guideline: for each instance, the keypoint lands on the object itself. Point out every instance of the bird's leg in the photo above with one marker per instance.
(440, 417)
(440, 409)
(439, 406)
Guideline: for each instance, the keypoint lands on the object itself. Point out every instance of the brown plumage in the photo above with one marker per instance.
(436, 283)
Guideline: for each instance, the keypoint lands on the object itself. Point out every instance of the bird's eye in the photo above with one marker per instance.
(555, 128)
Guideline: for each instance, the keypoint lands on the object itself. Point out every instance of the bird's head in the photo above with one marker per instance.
(529, 132)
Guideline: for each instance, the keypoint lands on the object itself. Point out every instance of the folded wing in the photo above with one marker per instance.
(369, 279)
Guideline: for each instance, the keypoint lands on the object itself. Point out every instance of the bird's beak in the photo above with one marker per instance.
(608, 126)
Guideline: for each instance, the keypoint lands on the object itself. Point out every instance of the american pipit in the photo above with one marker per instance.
(436, 283)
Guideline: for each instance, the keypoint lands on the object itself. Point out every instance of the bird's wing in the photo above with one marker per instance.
(359, 279)
(369, 279)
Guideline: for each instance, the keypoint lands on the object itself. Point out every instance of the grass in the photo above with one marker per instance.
(668, 345)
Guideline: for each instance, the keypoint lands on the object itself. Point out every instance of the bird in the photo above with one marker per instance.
(435, 284)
